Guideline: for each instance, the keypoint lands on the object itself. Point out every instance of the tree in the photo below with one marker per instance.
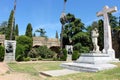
(56, 35)
(74, 34)
(113, 21)
(25, 44)
(119, 21)
(3, 27)
(101, 34)
(29, 30)
(42, 32)
(16, 30)
(10, 25)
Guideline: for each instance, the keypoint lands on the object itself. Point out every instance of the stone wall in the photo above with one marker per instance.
(49, 42)
(2, 39)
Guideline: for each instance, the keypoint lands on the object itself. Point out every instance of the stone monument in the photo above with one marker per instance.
(69, 49)
(107, 31)
(10, 48)
(95, 60)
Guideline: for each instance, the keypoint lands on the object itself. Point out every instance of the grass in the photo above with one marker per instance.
(34, 68)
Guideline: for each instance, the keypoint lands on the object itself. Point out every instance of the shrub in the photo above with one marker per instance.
(27, 59)
(19, 52)
(26, 43)
(64, 55)
(39, 58)
(2, 52)
(44, 52)
(75, 55)
(19, 58)
(33, 53)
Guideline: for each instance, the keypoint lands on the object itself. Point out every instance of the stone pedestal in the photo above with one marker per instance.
(69, 58)
(93, 58)
(90, 62)
(10, 48)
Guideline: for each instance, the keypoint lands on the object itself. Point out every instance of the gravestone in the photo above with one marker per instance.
(10, 48)
(69, 49)
(107, 31)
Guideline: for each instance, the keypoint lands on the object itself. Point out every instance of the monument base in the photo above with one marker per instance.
(91, 62)
(69, 58)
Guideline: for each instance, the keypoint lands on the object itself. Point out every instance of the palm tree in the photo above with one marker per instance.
(41, 31)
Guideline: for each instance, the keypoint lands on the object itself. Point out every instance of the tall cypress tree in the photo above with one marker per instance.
(29, 30)
(10, 24)
(56, 35)
(16, 30)
(119, 20)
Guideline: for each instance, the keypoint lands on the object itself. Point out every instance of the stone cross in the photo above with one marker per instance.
(107, 31)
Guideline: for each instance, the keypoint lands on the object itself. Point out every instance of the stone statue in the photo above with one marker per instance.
(94, 35)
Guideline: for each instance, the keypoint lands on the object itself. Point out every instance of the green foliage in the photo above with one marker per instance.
(26, 59)
(81, 48)
(29, 30)
(39, 58)
(74, 33)
(2, 52)
(42, 32)
(10, 25)
(75, 55)
(16, 30)
(33, 53)
(41, 52)
(20, 52)
(56, 35)
(101, 34)
(44, 52)
(25, 44)
(64, 55)
(3, 27)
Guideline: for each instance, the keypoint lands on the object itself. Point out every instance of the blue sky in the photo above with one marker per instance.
(46, 13)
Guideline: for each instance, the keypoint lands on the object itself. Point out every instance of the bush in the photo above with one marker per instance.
(33, 53)
(19, 52)
(2, 53)
(64, 55)
(39, 58)
(75, 55)
(19, 58)
(44, 52)
(26, 43)
(27, 59)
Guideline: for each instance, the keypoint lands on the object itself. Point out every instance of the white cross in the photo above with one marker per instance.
(107, 29)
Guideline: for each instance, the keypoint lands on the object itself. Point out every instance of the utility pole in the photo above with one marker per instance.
(63, 20)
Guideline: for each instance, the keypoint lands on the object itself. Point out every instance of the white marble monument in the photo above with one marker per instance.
(10, 48)
(107, 31)
(95, 60)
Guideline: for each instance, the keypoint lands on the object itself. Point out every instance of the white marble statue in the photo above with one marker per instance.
(94, 35)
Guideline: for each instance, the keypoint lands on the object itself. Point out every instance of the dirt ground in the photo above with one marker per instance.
(6, 74)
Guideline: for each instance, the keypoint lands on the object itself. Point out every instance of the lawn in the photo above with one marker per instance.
(33, 69)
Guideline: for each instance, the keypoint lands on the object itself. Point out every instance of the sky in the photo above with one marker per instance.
(46, 13)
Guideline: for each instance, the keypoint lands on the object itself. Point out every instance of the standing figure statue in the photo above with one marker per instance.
(94, 35)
